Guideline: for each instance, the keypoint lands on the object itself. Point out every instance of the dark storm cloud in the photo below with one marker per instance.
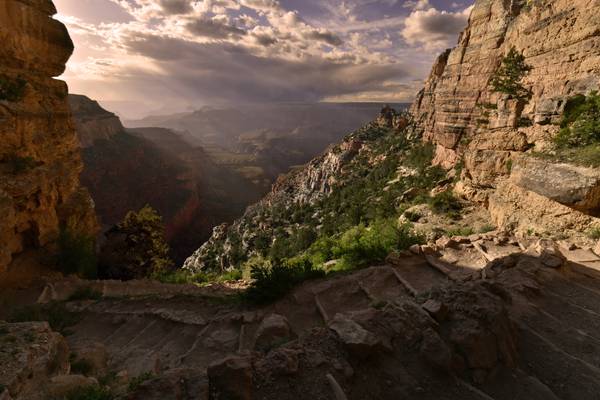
(327, 37)
(176, 6)
(214, 29)
(225, 72)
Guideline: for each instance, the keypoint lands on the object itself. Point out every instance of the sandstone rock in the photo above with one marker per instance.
(575, 187)
(272, 330)
(92, 122)
(597, 248)
(435, 351)
(43, 192)
(461, 114)
(436, 309)
(36, 355)
(93, 354)
(359, 342)
(231, 379)
(176, 384)
(62, 385)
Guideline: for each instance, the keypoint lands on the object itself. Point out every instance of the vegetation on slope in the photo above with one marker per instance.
(507, 79)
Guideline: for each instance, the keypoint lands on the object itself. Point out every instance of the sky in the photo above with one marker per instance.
(144, 57)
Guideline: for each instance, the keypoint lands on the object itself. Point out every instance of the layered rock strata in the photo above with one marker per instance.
(39, 155)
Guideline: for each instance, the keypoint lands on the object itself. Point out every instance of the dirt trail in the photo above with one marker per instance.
(553, 303)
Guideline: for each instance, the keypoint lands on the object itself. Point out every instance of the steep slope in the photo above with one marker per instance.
(488, 131)
(127, 169)
(39, 156)
(360, 181)
(262, 141)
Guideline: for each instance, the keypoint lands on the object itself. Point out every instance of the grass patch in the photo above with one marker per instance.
(56, 314)
(487, 228)
(461, 231)
(587, 156)
(94, 392)
(77, 254)
(446, 203)
(594, 233)
(136, 382)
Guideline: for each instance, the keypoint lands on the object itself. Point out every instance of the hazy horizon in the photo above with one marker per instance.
(140, 57)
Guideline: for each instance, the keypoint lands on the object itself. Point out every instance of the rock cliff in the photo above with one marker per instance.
(93, 122)
(484, 130)
(127, 169)
(39, 155)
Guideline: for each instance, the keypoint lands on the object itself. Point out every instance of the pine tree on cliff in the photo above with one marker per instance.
(136, 248)
(507, 78)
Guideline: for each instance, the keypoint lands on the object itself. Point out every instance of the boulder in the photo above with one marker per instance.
(435, 351)
(60, 386)
(359, 342)
(231, 379)
(273, 329)
(437, 309)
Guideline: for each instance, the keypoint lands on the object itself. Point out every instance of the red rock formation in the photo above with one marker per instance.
(39, 154)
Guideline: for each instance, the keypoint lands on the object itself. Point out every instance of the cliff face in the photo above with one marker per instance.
(127, 169)
(471, 124)
(39, 154)
(93, 122)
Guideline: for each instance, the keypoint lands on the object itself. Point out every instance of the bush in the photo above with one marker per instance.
(80, 367)
(446, 203)
(12, 89)
(135, 383)
(594, 233)
(136, 248)
(77, 254)
(507, 79)
(94, 392)
(272, 283)
(580, 125)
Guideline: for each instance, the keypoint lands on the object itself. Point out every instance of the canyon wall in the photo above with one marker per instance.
(484, 131)
(39, 153)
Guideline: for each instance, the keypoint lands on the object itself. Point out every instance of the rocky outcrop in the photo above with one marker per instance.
(482, 129)
(31, 354)
(39, 156)
(93, 122)
(559, 40)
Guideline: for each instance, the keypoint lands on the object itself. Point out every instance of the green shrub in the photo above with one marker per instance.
(594, 233)
(272, 283)
(2, 388)
(461, 231)
(93, 392)
(12, 89)
(507, 78)
(80, 367)
(136, 248)
(487, 228)
(56, 314)
(180, 276)
(135, 383)
(85, 293)
(446, 203)
(580, 125)
(77, 254)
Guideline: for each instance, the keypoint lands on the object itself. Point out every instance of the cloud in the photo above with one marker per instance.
(188, 53)
(176, 6)
(213, 28)
(434, 29)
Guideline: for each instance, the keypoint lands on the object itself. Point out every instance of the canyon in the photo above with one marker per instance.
(446, 251)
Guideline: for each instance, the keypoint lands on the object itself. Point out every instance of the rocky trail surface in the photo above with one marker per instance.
(479, 317)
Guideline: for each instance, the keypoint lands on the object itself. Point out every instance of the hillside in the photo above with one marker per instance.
(127, 169)
(262, 141)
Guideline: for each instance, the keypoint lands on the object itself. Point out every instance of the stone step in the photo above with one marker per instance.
(569, 377)
(417, 274)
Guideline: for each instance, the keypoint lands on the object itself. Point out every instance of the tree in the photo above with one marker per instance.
(136, 248)
(507, 79)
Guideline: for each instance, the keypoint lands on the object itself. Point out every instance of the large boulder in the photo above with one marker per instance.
(231, 379)
(360, 342)
(273, 330)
